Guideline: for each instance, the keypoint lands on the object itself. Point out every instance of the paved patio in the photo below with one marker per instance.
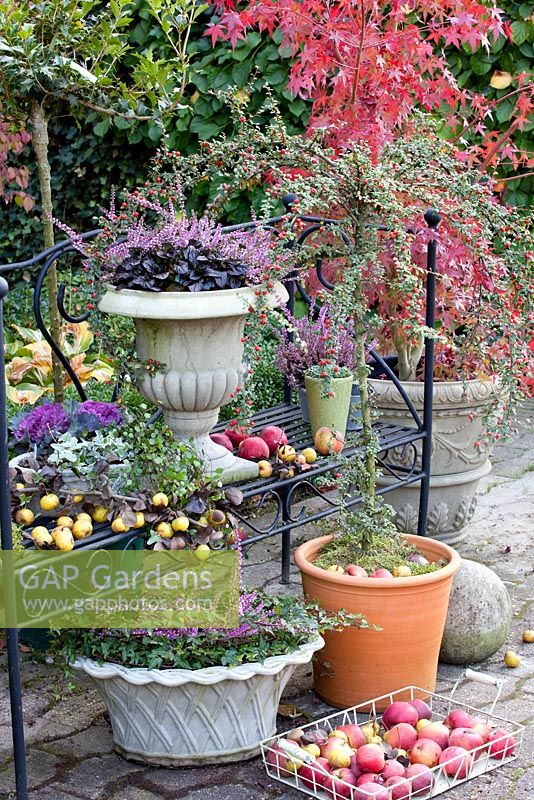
(70, 750)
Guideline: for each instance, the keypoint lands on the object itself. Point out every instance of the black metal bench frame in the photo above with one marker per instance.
(282, 491)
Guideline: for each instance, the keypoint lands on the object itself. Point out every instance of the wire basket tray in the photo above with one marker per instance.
(508, 746)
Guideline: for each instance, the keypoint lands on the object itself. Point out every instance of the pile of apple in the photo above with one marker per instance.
(400, 571)
(272, 443)
(391, 761)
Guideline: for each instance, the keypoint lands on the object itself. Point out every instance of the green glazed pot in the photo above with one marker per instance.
(329, 412)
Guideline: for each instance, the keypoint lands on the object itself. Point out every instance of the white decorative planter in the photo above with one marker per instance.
(196, 336)
(457, 463)
(180, 717)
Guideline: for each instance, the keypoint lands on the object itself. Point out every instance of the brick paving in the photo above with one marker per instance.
(69, 744)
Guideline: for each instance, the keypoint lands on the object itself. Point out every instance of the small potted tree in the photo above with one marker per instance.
(360, 196)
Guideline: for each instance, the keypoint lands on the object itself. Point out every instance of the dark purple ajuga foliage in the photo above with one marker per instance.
(188, 253)
(42, 423)
(311, 339)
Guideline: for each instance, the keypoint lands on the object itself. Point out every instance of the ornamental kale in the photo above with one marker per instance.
(42, 423)
(94, 414)
(48, 422)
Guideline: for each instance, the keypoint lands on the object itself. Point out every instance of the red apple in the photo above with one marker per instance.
(336, 788)
(483, 729)
(367, 777)
(457, 762)
(399, 712)
(223, 440)
(459, 719)
(237, 434)
(370, 758)
(356, 571)
(327, 441)
(381, 573)
(253, 449)
(392, 769)
(275, 756)
(311, 776)
(354, 766)
(467, 738)
(371, 791)
(355, 735)
(425, 751)
(501, 744)
(438, 732)
(421, 779)
(399, 787)
(402, 736)
(332, 743)
(423, 709)
(274, 437)
(346, 775)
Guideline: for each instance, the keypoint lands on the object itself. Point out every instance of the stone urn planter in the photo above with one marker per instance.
(180, 717)
(458, 463)
(196, 336)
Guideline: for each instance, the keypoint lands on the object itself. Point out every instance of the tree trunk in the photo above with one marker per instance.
(39, 122)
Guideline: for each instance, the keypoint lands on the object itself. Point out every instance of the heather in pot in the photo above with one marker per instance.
(206, 676)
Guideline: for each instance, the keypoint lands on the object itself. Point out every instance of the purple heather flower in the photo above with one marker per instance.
(44, 421)
(308, 348)
(99, 414)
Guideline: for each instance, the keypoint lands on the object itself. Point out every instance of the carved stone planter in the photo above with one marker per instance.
(196, 336)
(458, 463)
(181, 717)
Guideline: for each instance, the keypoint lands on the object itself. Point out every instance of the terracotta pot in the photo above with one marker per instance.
(358, 664)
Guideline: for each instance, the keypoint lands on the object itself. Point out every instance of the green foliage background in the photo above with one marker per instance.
(89, 158)
(474, 71)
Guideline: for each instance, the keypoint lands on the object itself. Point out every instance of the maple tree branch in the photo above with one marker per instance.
(359, 56)
(514, 177)
(506, 135)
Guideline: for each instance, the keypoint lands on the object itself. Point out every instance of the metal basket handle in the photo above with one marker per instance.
(481, 677)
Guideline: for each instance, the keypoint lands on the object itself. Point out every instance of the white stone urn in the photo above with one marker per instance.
(196, 336)
(180, 717)
(458, 462)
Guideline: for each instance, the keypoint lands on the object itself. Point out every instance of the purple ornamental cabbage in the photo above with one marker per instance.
(94, 414)
(42, 423)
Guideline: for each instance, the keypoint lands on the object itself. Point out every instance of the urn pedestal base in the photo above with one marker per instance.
(452, 503)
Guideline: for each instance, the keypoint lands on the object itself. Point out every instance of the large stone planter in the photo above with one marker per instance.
(180, 717)
(458, 463)
(196, 336)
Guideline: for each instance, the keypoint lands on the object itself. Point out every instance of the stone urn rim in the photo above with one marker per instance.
(140, 304)
(470, 392)
(140, 676)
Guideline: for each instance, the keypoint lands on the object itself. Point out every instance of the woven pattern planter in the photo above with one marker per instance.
(180, 717)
